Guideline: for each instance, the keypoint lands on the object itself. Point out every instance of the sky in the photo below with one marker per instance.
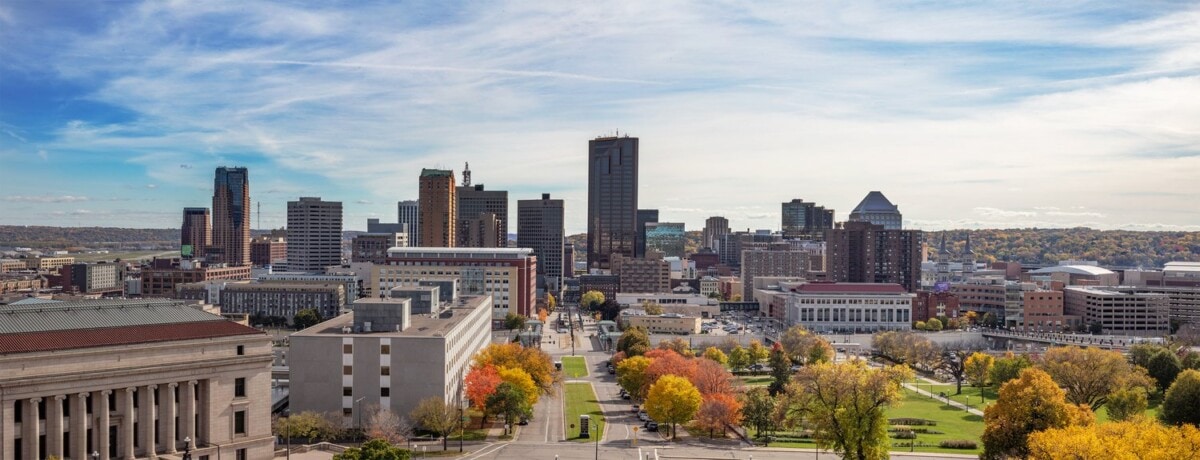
(965, 114)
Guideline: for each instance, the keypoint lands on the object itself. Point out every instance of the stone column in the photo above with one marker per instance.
(146, 419)
(103, 420)
(30, 429)
(187, 412)
(79, 417)
(125, 433)
(54, 425)
(166, 416)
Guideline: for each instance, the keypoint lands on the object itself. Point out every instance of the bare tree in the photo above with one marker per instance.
(384, 424)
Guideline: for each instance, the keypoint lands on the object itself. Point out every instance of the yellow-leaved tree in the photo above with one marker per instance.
(1139, 438)
(520, 379)
(716, 354)
(631, 375)
(1089, 375)
(673, 399)
(977, 368)
(1031, 402)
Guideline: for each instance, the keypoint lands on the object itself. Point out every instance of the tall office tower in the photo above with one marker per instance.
(715, 228)
(805, 220)
(231, 217)
(438, 208)
(409, 213)
(666, 237)
(876, 209)
(314, 238)
(196, 233)
(484, 231)
(540, 227)
(473, 203)
(612, 199)
(644, 216)
(862, 252)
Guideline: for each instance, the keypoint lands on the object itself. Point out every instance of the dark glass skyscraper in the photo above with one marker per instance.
(196, 234)
(231, 217)
(644, 216)
(612, 199)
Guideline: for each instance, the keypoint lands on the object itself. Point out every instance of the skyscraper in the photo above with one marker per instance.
(644, 216)
(196, 233)
(231, 217)
(805, 220)
(876, 209)
(715, 228)
(862, 252)
(409, 214)
(314, 230)
(438, 208)
(612, 198)
(540, 227)
(473, 203)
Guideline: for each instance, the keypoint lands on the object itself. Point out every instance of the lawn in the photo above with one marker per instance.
(756, 380)
(574, 366)
(970, 395)
(953, 422)
(581, 399)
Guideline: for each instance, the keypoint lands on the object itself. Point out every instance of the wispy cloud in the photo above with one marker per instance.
(44, 199)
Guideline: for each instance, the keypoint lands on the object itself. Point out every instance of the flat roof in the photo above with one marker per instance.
(423, 325)
(1090, 270)
(849, 288)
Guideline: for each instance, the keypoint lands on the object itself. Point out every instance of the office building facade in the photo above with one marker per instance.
(715, 228)
(768, 263)
(230, 217)
(665, 237)
(373, 247)
(862, 252)
(540, 226)
(482, 217)
(268, 250)
(877, 209)
(438, 208)
(612, 199)
(850, 307)
(509, 275)
(644, 217)
(196, 233)
(314, 234)
(805, 220)
(409, 215)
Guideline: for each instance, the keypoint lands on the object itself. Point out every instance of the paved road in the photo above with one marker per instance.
(580, 451)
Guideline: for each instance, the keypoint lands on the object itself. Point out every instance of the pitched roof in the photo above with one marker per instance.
(875, 202)
(94, 314)
(87, 338)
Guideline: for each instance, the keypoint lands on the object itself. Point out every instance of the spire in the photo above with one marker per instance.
(466, 174)
(967, 248)
(942, 246)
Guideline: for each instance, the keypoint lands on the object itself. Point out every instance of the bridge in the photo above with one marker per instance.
(1109, 342)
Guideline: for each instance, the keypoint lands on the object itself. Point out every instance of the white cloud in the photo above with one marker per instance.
(44, 198)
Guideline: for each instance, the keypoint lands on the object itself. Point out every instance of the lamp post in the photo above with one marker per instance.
(95, 455)
(597, 441)
(357, 416)
(187, 448)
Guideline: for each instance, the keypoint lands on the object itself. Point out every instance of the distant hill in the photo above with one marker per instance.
(61, 237)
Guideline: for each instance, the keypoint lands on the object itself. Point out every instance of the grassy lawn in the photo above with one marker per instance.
(581, 399)
(574, 366)
(955, 423)
(1152, 407)
(756, 380)
(970, 395)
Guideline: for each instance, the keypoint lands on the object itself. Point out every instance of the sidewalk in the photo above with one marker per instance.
(953, 403)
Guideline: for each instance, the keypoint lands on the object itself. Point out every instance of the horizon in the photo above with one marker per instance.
(1073, 115)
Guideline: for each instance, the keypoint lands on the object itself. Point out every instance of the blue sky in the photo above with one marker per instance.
(965, 114)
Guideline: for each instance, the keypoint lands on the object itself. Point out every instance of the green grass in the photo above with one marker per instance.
(756, 380)
(574, 366)
(581, 399)
(970, 395)
(954, 422)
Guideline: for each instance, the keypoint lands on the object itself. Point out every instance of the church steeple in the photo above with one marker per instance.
(968, 257)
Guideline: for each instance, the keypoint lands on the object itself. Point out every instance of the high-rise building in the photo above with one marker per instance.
(644, 216)
(665, 237)
(715, 228)
(862, 252)
(373, 247)
(438, 208)
(771, 263)
(267, 250)
(409, 215)
(805, 220)
(314, 234)
(231, 217)
(612, 199)
(876, 209)
(540, 226)
(473, 204)
(196, 233)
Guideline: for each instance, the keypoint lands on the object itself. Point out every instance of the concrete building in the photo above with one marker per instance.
(633, 299)
(101, 278)
(805, 220)
(131, 378)
(314, 234)
(983, 295)
(409, 215)
(666, 323)
(710, 286)
(876, 209)
(283, 298)
(609, 285)
(383, 355)
(160, 279)
(438, 208)
(509, 275)
(715, 228)
(267, 250)
(862, 252)
(1043, 311)
(644, 218)
(482, 215)
(1119, 310)
(375, 226)
(12, 265)
(935, 304)
(666, 237)
(196, 233)
(373, 247)
(230, 218)
(647, 274)
(756, 263)
(850, 307)
(48, 264)
(12, 283)
(484, 231)
(612, 199)
(424, 300)
(540, 226)
(352, 284)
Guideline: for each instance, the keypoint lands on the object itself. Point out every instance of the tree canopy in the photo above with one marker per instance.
(375, 449)
(1136, 439)
(1181, 404)
(1032, 402)
(673, 399)
(1090, 374)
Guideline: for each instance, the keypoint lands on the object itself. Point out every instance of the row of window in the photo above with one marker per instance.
(383, 370)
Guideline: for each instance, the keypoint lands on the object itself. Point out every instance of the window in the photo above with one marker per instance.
(241, 454)
(346, 411)
(347, 391)
(239, 422)
(385, 370)
(347, 370)
(385, 349)
(347, 348)
(385, 392)
(239, 387)
(241, 350)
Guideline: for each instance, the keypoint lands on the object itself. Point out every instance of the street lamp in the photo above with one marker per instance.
(95, 455)
(187, 448)
(357, 415)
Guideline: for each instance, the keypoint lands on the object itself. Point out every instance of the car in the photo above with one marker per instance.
(625, 396)
(636, 408)
(652, 426)
(523, 422)
(643, 416)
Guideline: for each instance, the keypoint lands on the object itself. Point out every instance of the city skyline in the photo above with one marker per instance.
(987, 116)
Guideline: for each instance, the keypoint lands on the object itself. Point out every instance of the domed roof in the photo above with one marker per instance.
(1090, 270)
(875, 202)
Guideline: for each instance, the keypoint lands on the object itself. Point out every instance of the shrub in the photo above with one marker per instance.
(912, 422)
(904, 434)
(958, 444)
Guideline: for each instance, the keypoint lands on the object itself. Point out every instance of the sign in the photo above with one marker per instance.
(941, 286)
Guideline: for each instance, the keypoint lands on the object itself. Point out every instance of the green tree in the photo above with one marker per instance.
(1181, 404)
(1140, 354)
(591, 299)
(758, 352)
(308, 425)
(652, 308)
(780, 368)
(673, 399)
(920, 325)
(306, 318)
(739, 358)
(1191, 360)
(1030, 403)
(434, 415)
(375, 449)
(933, 324)
(511, 401)
(716, 354)
(1163, 367)
(1126, 403)
(758, 410)
(634, 342)
(1007, 368)
(514, 321)
(978, 367)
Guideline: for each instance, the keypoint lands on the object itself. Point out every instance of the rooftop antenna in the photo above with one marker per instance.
(466, 174)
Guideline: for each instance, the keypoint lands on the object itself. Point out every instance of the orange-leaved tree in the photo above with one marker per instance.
(481, 382)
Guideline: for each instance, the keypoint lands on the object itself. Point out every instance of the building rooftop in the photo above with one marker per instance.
(1087, 270)
(849, 288)
(423, 325)
(875, 202)
(436, 173)
(1182, 267)
(460, 253)
(95, 314)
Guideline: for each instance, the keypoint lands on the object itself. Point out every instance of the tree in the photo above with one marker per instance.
(715, 354)
(920, 325)
(758, 352)
(551, 302)
(673, 399)
(953, 362)
(1140, 354)
(532, 360)
(739, 358)
(542, 315)
(1191, 360)
(384, 424)
(717, 411)
(677, 345)
(1032, 402)
(375, 449)
(712, 378)
(844, 403)
(306, 318)
(308, 425)
(481, 382)
(591, 299)
(1089, 375)
(510, 401)
(1136, 439)
(780, 368)
(933, 325)
(804, 347)
(634, 341)
(758, 410)
(978, 367)
(1007, 368)
(1181, 404)
(1163, 367)
(514, 321)
(970, 317)
(668, 362)
(432, 414)
(1126, 403)
(652, 308)
(520, 379)
(631, 375)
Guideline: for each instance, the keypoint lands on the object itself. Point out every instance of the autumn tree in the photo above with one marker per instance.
(510, 401)
(715, 354)
(551, 302)
(480, 383)
(1008, 367)
(1089, 375)
(711, 378)
(758, 410)
(678, 345)
(652, 308)
(591, 299)
(804, 347)
(758, 352)
(1126, 403)
(1163, 367)
(432, 414)
(1181, 403)
(375, 449)
(844, 405)
(933, 325)
(978, 367)
(780, 368)
(533, 361)
(382, 423)
(631, 375)
(542, 315)
(519, 379)
(667, 362)
(1030, 403)
(1139, 438)
(739, 358)
(634, 342)
(673, 399)
(717, 411)
(953, 362)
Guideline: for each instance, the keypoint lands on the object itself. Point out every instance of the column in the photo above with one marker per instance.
(103, 420)
(30, 429)
(8, 428)
(146, 419)
(187, 412)
(166, 416)
(79, 417)
(54, 425)
(125, 433)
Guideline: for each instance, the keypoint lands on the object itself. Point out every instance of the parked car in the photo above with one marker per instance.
(651, 426)
(643, 416)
